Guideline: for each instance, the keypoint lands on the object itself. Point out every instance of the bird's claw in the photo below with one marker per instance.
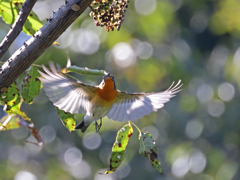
(98, 126)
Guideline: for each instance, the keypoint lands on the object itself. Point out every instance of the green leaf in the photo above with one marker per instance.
(83, 71)
(31, 85)
(119, 147)
(12, 101)
(148, 149)
(67, 119)
(9, 122)
(9, 11)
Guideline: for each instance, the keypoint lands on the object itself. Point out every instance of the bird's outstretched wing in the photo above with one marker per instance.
(129, 107)
(66, 94)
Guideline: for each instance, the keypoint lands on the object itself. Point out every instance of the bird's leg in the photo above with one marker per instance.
(97, 127)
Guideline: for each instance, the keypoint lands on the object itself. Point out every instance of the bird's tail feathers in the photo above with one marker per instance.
(82, 126)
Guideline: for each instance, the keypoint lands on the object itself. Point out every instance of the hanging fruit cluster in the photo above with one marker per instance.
(108, 13)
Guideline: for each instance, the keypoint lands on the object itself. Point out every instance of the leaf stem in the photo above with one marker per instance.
(140, 132)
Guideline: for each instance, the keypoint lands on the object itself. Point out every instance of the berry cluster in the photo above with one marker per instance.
(108, 13)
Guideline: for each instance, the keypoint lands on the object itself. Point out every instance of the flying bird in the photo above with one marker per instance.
(102, 100)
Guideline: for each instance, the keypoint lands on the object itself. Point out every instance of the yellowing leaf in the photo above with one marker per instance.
(31, 85)
(11, 99)
(67, 119)
(148, 149)
(9, 122)
(119, 147)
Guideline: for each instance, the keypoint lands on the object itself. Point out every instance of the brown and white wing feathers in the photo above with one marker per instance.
(129, 107)
(66, 94)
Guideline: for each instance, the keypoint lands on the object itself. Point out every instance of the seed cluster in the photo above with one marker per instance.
(108, 13)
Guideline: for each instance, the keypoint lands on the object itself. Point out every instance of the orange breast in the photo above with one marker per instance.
(107, 93)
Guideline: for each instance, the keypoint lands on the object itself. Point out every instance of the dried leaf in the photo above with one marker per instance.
(148, 149)
(67, 119)
(35, 133)
(119, 147)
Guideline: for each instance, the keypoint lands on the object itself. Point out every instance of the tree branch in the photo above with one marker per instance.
(40, 41)
(16, 28)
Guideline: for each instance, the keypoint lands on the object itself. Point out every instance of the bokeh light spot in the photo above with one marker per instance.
(144, 50)
(216, 108)
(198, 22)
(48, 133)
(92, 140)
(226, 91)
(81, 171)
(20, 133)
(18, 155)
(194, 129)
(197, 162)
(73, 156)
(124, 55)
(180, 167)
(24, 175)
(145, 7)
(204, 93)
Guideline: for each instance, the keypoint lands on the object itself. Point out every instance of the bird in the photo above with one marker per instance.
(103, 100)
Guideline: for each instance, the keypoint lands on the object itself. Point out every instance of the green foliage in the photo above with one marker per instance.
(83, 71)
(197, 41)
(9, 10)
(12, 101)
(148, 150)
(31, 85)
(119, 147)
(224, 20)
(67, 119)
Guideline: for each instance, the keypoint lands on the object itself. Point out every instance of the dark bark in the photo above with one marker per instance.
(42, 39)
(16, 28)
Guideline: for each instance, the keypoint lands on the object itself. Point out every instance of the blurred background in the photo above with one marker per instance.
(196, 133)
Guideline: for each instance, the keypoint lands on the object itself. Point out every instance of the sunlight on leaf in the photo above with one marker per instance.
(31, 85)
(9, 122)
(83, 71)
(148, 150)
(119, 147)
(67, 119)
(12, 101)
(9, 11)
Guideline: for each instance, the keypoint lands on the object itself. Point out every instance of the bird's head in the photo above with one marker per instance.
(108, 80)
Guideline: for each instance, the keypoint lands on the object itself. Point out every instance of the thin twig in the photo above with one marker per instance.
(140, 132)
(16, 28)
